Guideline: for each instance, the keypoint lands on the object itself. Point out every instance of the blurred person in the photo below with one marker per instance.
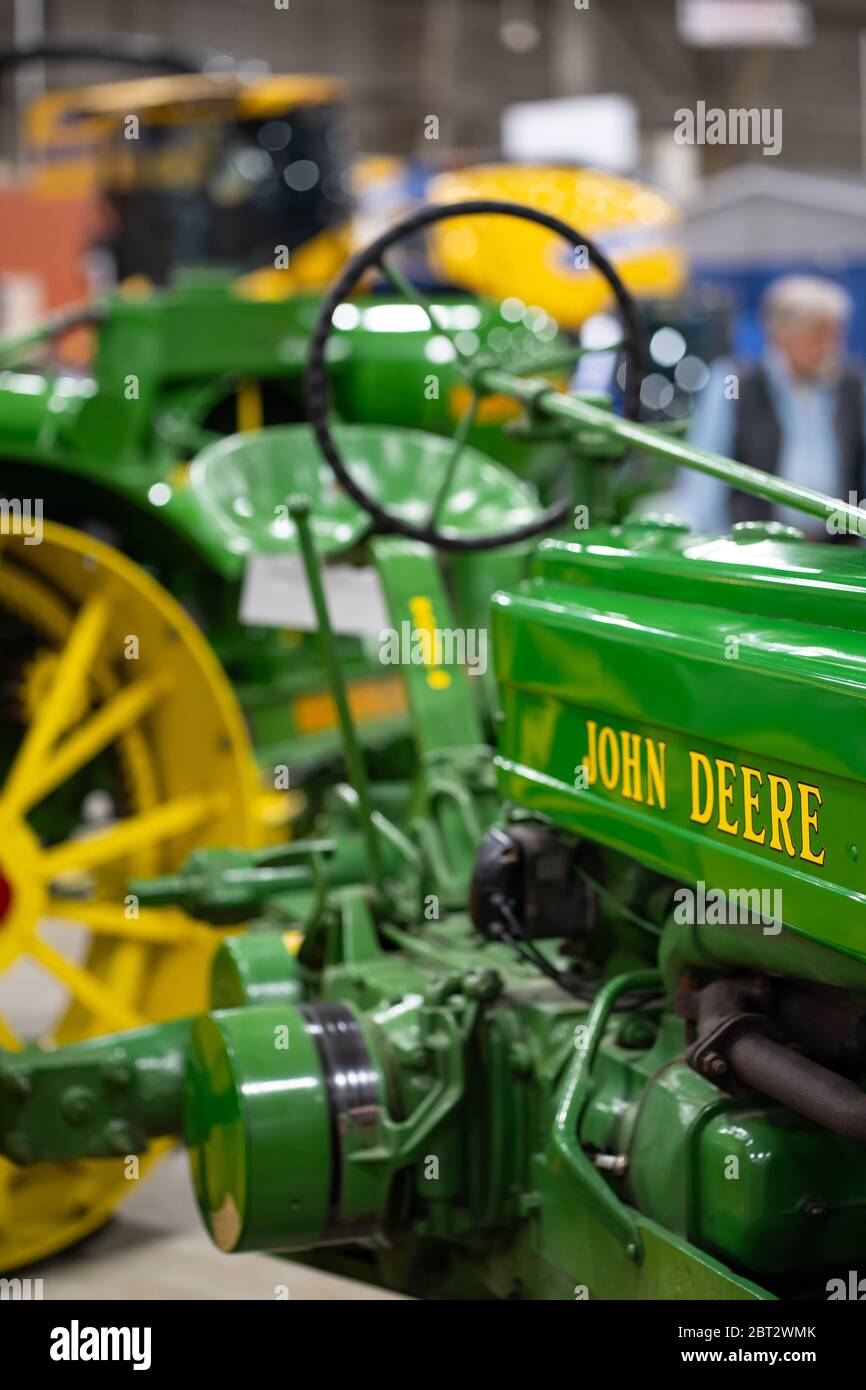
(798, 413)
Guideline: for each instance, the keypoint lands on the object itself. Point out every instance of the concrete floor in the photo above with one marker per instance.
(155, 1248)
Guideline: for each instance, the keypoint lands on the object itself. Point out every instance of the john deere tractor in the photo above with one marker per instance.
(581, 1013)
(179, 451)
(219, 255)
(146, 549)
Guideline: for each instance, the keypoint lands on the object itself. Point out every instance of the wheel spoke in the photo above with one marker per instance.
(116, 717)
(6, 1173)
(83, 986)
(409, 291)
(58, 709)
(175, 817)
(414, 296)
(153, 926)
(166, 730)
(9, 1040)
(458, 444)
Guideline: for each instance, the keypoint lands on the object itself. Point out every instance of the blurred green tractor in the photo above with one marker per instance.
(165, 446)
(577, 1014)
(149, 553)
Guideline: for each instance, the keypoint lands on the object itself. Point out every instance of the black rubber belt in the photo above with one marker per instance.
(351, 1083)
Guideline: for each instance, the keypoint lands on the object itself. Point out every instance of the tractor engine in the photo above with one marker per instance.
(577, 1007)
(687, 703)
(642, 755)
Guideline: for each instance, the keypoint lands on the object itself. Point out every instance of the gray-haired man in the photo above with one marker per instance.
(798, 413)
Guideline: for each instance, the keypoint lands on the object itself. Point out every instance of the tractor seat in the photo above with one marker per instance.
(243, 484)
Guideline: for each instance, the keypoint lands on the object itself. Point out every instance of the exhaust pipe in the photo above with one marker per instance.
(737, 1037)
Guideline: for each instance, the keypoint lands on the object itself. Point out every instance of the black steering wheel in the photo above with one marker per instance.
(632, 346)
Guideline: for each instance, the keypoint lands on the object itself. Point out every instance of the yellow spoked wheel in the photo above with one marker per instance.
(122, 749)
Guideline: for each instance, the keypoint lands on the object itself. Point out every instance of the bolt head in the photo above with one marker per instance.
(117, 1074)
(19, 1148)
(714, 1065)
(118, 1137)
(76, 1105)
(16, 1084)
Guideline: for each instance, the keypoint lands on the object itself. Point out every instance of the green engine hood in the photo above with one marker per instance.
(698, 704)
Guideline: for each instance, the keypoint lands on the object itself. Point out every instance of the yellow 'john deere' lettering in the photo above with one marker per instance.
(617, 759)
(719, 786)
(735, 799)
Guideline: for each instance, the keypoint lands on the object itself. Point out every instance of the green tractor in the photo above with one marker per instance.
(221, 259)
(146, 514)
(578, 1015)
(171, 442)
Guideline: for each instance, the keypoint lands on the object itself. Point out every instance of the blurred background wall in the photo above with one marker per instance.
(485, 69)
(466, 60)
